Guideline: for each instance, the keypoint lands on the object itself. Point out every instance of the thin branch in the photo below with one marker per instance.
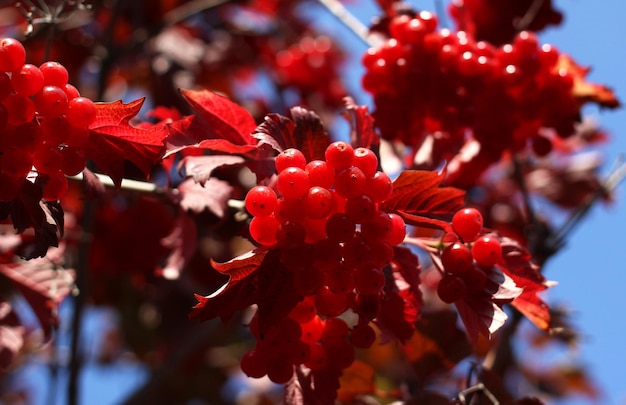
(187, 10)
(346, 18)
(127, 184)
(524, 22)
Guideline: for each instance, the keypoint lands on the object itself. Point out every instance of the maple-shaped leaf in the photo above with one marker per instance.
(227, 119)
(43, 285)
(419, 198)
(193, 132)
(213, 195)
(112, 140)
(437, 344)
(583, 90)
(304, 131)
(481, 312)
(517, 263)
(11, 335)
(362, 133)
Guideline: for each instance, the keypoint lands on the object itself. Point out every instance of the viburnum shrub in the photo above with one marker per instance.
(389, 262)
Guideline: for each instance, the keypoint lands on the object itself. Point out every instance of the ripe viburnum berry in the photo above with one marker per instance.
(467, 223)
(487, 251)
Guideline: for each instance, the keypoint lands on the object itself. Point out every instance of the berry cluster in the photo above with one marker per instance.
(466, 257)
(43, 123)
(311, 66)
(447, 85)
(336, 242)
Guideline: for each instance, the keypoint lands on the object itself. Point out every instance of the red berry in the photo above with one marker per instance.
(12, 54)
(467, 223)
(362, 336)
(379, 187)
(398, 230)
(451, 289)
(365, 160)
(54, 74)
(456, 258)
(340, 227)
(81, 112)
(261, 201)
(339, 155)
(350, 182)
(51, 101)
(28, 80)
(320, 174)
(263, 230)
(291, 157)
(318, 203)
(55, 186)
(487, 251)
(254, 364)
(293, 183)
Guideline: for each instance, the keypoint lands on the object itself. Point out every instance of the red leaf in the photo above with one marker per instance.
(362, 132)
(304, 131)
(226, 119)
(482, 312)
(201, 167)
(583, 90)
(396, 327)
(181, 243)
(517, 263)
(241, 266)
(419, 199)
(43, 286)
(255, 277)
(112, 140)
(194, 132)
(213, 196)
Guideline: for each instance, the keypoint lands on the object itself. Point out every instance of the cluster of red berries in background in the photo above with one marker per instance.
(336, 242)
(311, 66)
(43, 123)
(467, 256)
(446, 84)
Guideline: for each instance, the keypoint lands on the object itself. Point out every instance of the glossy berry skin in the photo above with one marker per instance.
(467, 223)
(81, 112)
(339, 155)
(261, 201)
(51, 102)
(365, 160)
(320, 174)
(451, 289)
(12, 54)
(263, 230)
(398, 230)
(293, 183)
(318, 203)
(28, 80)
(291, 157)
(456, 258)
(54, 74)
(487, 251)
